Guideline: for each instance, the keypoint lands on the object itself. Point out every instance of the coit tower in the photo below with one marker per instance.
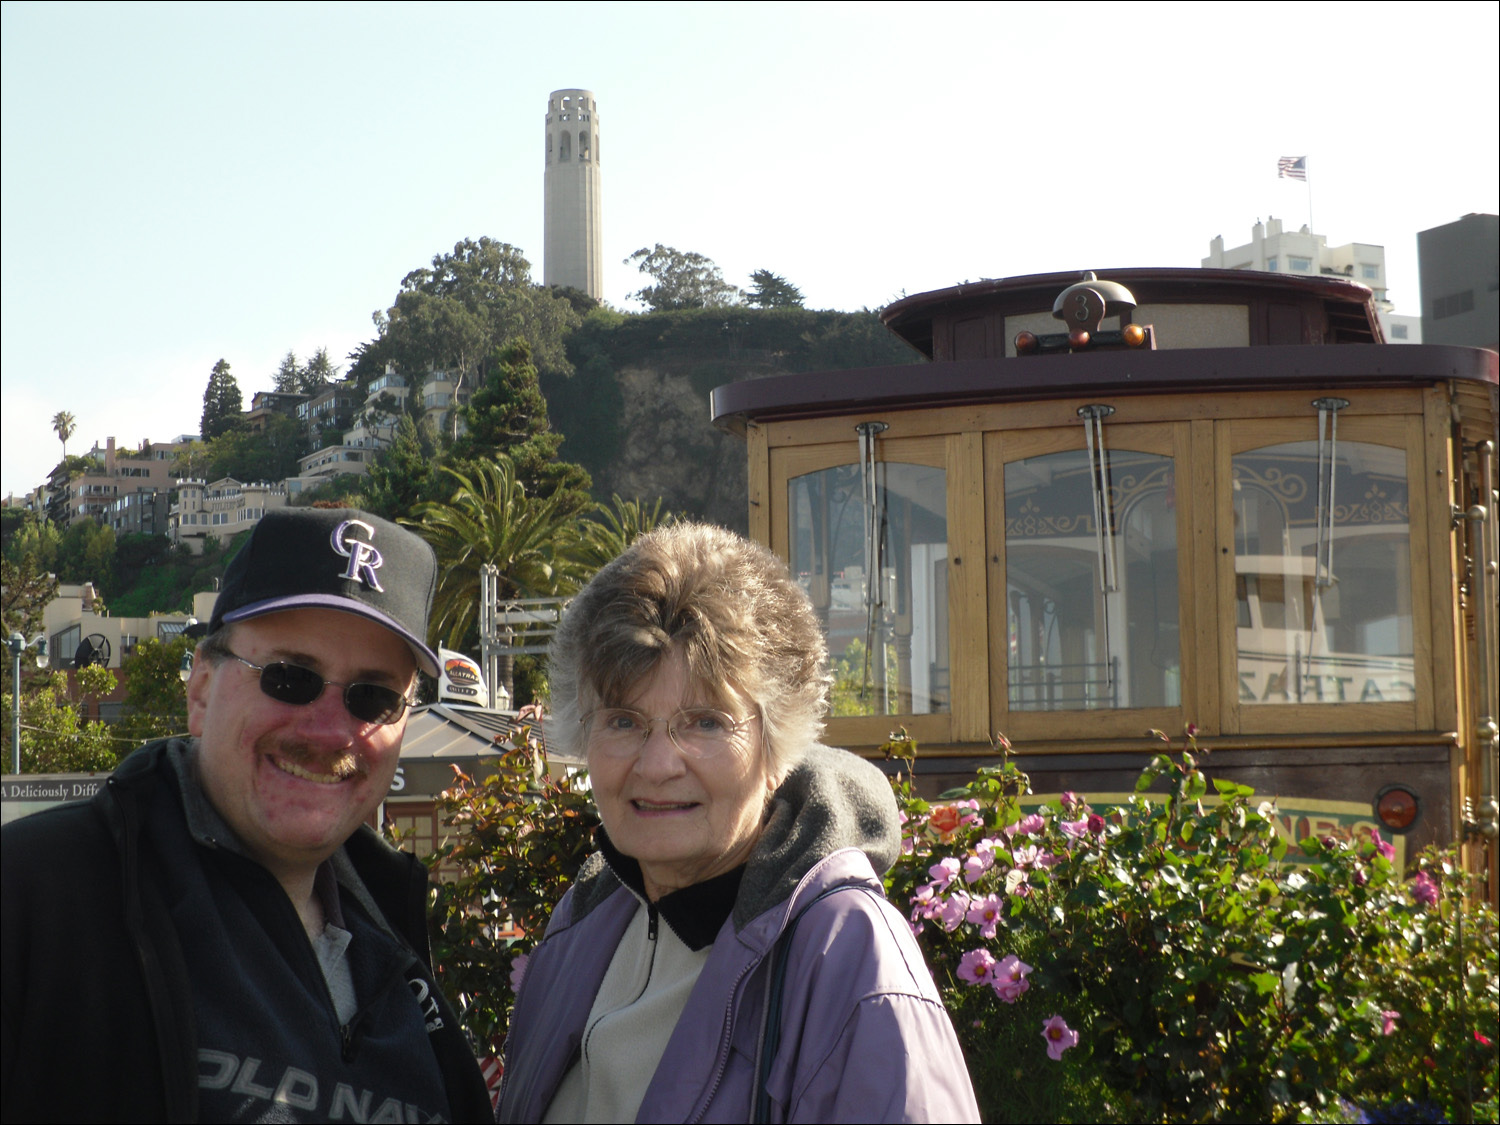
(572, 254)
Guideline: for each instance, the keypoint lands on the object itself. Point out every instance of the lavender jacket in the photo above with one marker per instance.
(864, 1035)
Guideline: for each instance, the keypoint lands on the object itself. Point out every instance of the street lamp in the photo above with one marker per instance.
(185, 668)
(18, 645)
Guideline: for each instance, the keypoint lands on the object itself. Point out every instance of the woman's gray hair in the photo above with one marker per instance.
(729, 606)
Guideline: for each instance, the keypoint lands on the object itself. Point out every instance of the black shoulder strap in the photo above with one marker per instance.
(771, 1035)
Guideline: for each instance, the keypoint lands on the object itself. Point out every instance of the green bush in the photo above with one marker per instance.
(1166, 961)
(521, 839)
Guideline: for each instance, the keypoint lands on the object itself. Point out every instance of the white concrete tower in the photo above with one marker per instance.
(573, 253)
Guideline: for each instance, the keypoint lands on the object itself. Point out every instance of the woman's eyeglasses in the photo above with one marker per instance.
(699, 732)
(292, 683)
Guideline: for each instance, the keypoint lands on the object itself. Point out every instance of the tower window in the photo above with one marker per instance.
(565, 146)
(583, 144)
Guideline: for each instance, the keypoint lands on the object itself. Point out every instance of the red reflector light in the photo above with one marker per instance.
(1026, 343)
(1078, 338)
(1396, 807)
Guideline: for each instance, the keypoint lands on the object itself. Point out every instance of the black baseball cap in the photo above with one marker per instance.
(334, 558)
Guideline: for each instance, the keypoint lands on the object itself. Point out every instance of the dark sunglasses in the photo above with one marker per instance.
(292, 683)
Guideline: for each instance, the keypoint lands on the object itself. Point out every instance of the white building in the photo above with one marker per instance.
(222, 509)
(1272, 249)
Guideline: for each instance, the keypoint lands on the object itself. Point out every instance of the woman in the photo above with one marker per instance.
(736, 876)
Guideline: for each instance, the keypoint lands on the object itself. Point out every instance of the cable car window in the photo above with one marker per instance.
(1091, 582)
(1323, 589)
(871, 549)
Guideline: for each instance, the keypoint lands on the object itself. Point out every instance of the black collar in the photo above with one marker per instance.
(696, 914)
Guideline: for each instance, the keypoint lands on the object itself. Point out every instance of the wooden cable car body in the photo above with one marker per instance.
(1206, 496)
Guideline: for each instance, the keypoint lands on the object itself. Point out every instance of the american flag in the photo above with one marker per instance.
(1292, 168)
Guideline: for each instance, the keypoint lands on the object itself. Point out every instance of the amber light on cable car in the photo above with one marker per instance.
(1396, 807)
(1133, 335)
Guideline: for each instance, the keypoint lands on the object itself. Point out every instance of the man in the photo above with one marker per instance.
(218, 935)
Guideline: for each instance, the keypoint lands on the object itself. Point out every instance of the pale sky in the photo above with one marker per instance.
(188, 182)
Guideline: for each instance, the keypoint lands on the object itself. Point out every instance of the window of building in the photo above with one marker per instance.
(1299, 265)
(1398, 332)
(1271, 265)
(1369, 272)
(1453, 305)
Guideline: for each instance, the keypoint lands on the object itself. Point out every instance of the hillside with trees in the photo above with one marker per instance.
(581, 401)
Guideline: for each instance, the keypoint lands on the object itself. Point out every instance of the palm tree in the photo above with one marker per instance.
(64, 423)
(490, 519)
(610, 530)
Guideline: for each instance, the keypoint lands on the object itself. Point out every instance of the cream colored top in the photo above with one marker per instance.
(637, 1009)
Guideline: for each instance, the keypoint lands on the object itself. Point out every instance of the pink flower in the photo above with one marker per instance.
(518, 970)
(1016, 883)
(977, 864)
(1026, 857)
(1386, 849)
(1075, 829)
(1059, 1037)
(1483, 1039)
(1070, 799)
(985, 913)
(1096, 823)
(1424, 889)
(951, 912)
(1009, 979)
(977, 966)
(1361, 877)
(1026, 826)
(943, 872)
(1388, 1022)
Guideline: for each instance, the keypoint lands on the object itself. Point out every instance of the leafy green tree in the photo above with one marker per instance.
(34, 544)
(191, 460)
(582, 303)
(451, 316)
(64, 423)
(270, 455)
(55, 738)
(155, 696)
(683, 280)
(288, 377)
(772, 291)
(368, 360)
(319, 372)
(25, 590)
(86, 553)
(489, 518)
(222, 403)
(508, 414)
(402, 475)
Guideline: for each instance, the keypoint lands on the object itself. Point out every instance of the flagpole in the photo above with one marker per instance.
(1308, 181)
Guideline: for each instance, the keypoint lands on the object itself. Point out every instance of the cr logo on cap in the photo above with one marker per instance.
(364, 560)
